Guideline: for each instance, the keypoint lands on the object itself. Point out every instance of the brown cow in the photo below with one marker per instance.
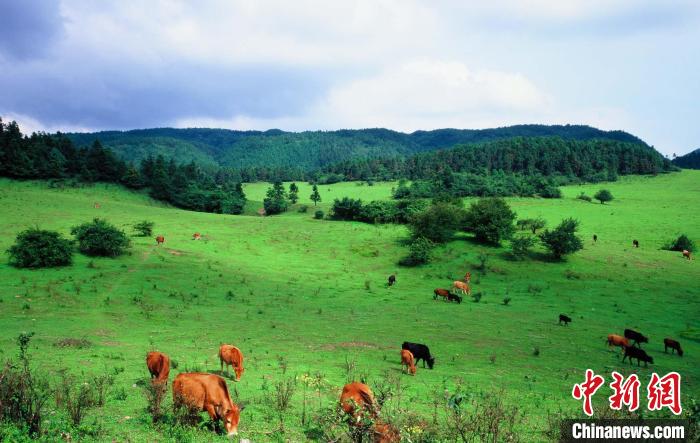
(160, 240)
(96, 205)
(618, 340)
(462, 287)
(439, 292)
(357, 401)
(209, 393)
(674, 345)
(686, 254)
(196, 236)
(231, 355)
(159, 366)
(407, 361)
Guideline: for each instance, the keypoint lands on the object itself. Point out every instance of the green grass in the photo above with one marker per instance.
(300, 291)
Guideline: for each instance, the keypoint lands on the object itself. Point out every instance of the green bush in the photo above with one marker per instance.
(144, 228)
(35, 248)
(346, 209)
(682, 243)
(603, 196)
(490, 220)
(520, 246)
(99, 238)
(419, 252)
(303, 209)
(438, 223)
(562, 240)
(318, 215)
(584, 197)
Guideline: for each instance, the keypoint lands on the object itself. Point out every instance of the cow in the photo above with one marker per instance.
(462, 287)
(636, 337)
(408, 362)
(635, 243)
(641, 356)
(231, 355)
(467, 277)
(439, 292)
(357, 401)
(159, 366)
(160, 240)
(392, 279)
(97, 205)
(207, 392)
(420, 352)
(686, 254)
(454, 297)
(616, 340)
(196, 236)
(595, 238)
(563, 318)
(674, 345)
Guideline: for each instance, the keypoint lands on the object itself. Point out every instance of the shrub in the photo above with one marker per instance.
(563, 239)
(35, 248)
(438, 223)
(584, 197)
(550, 191)
(76, 399)
(318, 215)
(490, 220)
(99, 238)
(419, 252)
(303, 209)
(680, 244)
(603, 196)
(520, 246)
(155, 395)
(144, 228)
(506, 300)
(346, 209)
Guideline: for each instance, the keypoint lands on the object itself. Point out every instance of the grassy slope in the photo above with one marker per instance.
(299, 288)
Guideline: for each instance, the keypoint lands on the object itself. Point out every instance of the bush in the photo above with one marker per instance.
(76, 399)
(303, 209)
(99, 238)
(682, 243)
(346, 209)
(550, 192)
(490, 220)
(438, 223)
(35, 248)
(603, 196)
(318, 215)
(144, 228)
(155, 394)
(584, 197)
(419, 252)
(520, 246)
(562, 240)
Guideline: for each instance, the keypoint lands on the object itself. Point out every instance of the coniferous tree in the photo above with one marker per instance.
(293, 193)
(315, 195)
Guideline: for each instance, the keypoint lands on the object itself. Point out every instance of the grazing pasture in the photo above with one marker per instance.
(309, 299)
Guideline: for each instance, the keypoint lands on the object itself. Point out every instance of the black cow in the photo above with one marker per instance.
(674, 345)
(636, 337)
(392, 279)
(454, 297)
(420, 352)
(595, 238)
(632, 352)
(563, 318)
(635, 243)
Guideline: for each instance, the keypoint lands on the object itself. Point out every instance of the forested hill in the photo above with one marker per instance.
(690, 160)
(312, 150)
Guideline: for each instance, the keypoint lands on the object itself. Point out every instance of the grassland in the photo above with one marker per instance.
(299, 296)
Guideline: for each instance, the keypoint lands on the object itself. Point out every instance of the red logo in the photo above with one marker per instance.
(626, 392)
(665, 392)
(586, 390)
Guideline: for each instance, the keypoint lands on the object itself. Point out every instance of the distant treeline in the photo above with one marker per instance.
(690, 160)
(54, 156)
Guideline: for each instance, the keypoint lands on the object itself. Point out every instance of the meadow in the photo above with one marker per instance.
(302, 296)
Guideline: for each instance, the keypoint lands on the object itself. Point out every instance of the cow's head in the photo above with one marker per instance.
(431, 362)
(644, 339)
(239, 372)
(231, 419)
(680, 351)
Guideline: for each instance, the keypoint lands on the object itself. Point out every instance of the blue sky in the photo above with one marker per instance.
(78, 65)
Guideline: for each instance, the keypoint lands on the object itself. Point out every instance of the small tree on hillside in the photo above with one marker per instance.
(315, 195)
(144, 228)
(438, 223)
(293, 193)
(682, 243)
(490, 219)
(35, 248)
(99, 238)
(562, 240)
(276, 200)
(603, 196)
(520, 246)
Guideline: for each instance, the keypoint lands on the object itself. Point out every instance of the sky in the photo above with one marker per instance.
(81, 65)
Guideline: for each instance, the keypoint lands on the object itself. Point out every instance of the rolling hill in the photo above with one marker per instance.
(690, 160)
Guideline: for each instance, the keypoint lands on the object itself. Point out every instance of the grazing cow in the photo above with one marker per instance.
(159, 366)
(674, 345)
(641, 356)
(420, 352)
(636, 337)
(196, 236)
(616, 340)
(686, 254)
(207, 392)
(454, 297)
(96, 205)
(439, 292)
(392, 279)
(563, 318)
(595, 238)
(357, 400)
(635, 243)
(461, 287)
(160, 240)
(468, 277)
(231, 355)
(408, 362)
